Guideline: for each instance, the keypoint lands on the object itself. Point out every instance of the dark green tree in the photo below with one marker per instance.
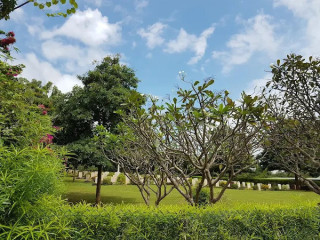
(105, 90)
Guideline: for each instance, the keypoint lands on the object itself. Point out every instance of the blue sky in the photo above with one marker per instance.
(233, 41)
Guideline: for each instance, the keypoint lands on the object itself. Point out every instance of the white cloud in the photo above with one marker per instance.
(44, 71)
(89, 27)
(140, 4)
(186, 41)
(309, 11)
(255, 87)
(258, 36)
(73, 57)
(153, 34)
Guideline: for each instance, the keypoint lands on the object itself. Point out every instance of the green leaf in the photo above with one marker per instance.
(63, 1)
(196, 83)
(41, 6)
(48, 4)
(278, 62)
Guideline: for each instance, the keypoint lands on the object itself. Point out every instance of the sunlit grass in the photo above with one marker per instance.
(128, 194)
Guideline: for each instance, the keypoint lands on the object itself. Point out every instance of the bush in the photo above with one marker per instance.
(255, 187)
(121, 179)
(234, 186)
(173, 222)
(107, 180)
(275, 188)
(223, 183)
(203, 197)
(264, 187)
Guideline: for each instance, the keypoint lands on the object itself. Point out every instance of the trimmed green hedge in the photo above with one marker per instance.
(176, 222)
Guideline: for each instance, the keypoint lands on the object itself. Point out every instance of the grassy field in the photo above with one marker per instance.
(129, 194)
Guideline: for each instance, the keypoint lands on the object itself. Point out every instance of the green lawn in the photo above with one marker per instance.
(129, 194)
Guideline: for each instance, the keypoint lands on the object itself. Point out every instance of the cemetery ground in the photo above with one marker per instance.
(80, 190)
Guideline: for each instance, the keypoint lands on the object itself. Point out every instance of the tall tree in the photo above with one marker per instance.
(105, 89)
(294, 101)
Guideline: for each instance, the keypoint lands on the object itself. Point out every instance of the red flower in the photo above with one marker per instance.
(41, 106)
(47, 139)
(44, 112)
(10, 34)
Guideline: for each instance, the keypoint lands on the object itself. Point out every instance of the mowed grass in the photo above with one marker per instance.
(129, 194)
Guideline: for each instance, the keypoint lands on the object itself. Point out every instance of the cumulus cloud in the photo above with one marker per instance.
(191, 42)
(258, 35)
(153, 34)
(309, 11)
(73, 57)
(89, 27)
(44, 71)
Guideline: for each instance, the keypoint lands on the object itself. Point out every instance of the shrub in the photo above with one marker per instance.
(242, 188)
(173, 222)
(107, 180)
(234, 186)
(223, 183)
(264, 187)
(203, 197)
(255, 187)
(121, 179)
(275, 188)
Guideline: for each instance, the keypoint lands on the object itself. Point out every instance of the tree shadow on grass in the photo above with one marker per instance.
(76, 197)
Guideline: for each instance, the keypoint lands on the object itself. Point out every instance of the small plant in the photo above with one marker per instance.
(223, 183)
(203, 197)
(107, 180)
(275, 188)
(285, 188)
(264, 187)
(121, 179)
(234, 186)
(242, 188)
(255, 187)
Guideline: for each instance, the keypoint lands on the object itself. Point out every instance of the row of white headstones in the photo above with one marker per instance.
(248, 185)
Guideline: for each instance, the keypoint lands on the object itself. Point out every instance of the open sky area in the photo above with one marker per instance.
(233, 41)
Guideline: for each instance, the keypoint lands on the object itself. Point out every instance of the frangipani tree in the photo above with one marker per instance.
(199, 133)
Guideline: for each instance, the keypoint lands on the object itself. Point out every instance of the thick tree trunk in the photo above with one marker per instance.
(98, 190)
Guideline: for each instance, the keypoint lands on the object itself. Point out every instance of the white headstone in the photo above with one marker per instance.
(248, 185)
(205, 182)
(279, 186)
(259, 186)
(243, 184)
(127, 180)
(194, 181)
(80, 174)
(96, 180)
(239, 184)
(269, 186)
(218, 184)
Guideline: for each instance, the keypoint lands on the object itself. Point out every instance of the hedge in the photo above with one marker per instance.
(175, 222)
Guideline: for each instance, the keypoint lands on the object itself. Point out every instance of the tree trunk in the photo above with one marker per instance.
(297, 182)
(74, 173)
(98, 190)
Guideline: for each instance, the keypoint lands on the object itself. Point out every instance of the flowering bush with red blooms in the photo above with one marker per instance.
(5, 42)
(47, 139)
(56, 128)
(43, 108)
